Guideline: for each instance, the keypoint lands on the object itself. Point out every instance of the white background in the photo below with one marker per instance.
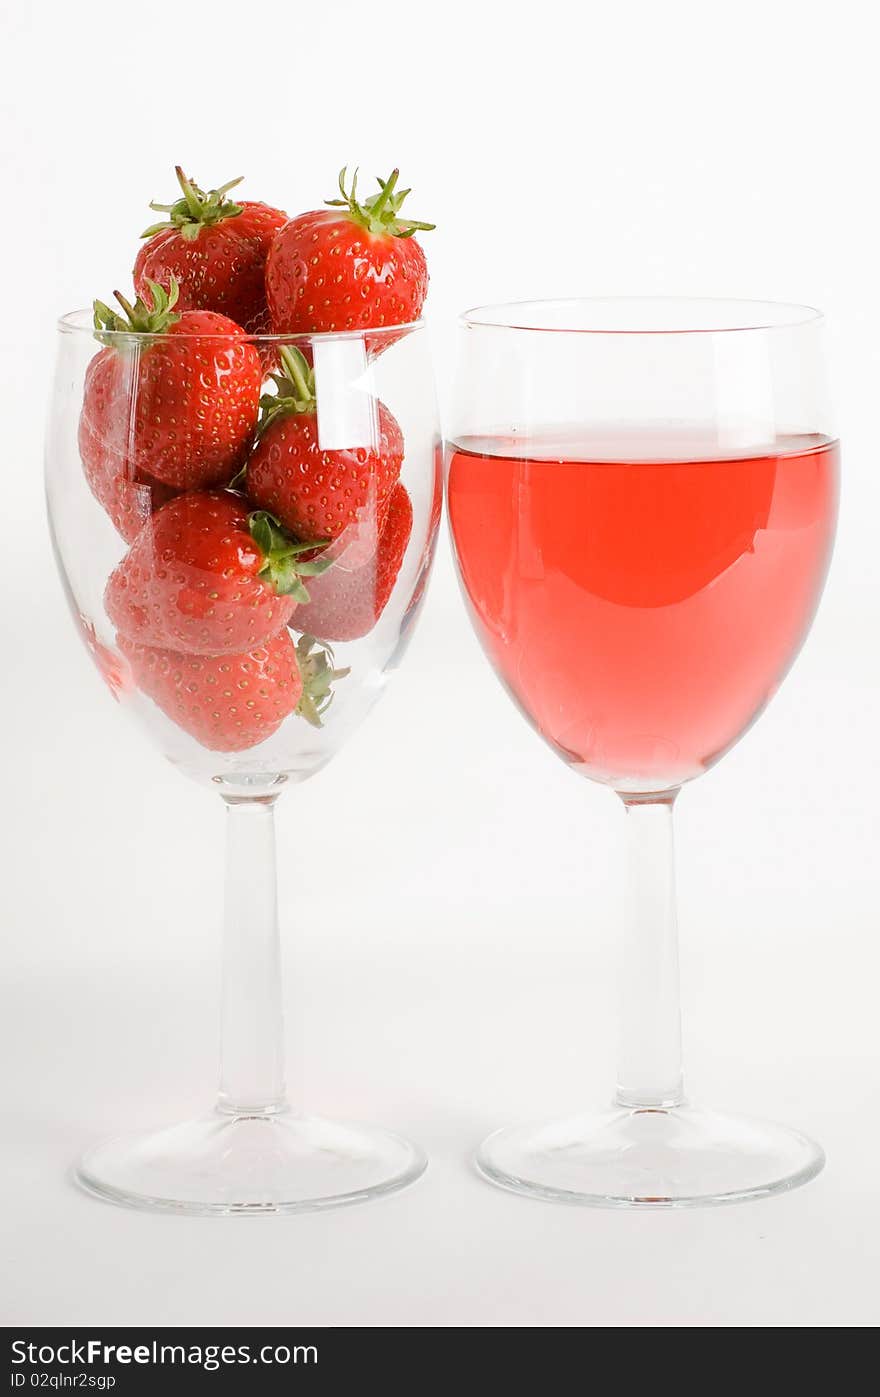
(463, 974)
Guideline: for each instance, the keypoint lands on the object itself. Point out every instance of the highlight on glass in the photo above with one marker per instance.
(643, 496)
(244, 526)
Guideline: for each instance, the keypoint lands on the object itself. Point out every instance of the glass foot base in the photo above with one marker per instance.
(278, 1163)
(678, 1157)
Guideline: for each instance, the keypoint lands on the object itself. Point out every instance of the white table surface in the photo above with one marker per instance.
(465, 979)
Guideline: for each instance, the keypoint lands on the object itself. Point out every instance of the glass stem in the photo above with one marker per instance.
(252, 1028)
(649, 1061)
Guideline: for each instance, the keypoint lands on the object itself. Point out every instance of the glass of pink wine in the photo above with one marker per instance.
(642, 495)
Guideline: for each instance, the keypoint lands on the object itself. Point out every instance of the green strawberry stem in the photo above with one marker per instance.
(140, 318)
(386, 191)
(315, 662)
(190, 197)
(296, 388)
(380, 213)
(238, 483)
(283, 563)
(299, 373)
(195, 210)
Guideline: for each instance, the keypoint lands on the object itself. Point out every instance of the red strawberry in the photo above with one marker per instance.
(347, 604)
(173, 399)
(112, 670)
(356, 269)
(227, 702)
(205, 578)
(231, 702)
(427, 560)
(215, 249)
(129, 503)
(338, 495)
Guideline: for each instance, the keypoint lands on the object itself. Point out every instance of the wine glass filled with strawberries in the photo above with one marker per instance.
(244, 492)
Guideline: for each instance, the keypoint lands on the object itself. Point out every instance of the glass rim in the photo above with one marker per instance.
(81, 322)
(721, 315)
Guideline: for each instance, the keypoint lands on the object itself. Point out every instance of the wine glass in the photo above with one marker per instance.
(642, 496)
(248, 655)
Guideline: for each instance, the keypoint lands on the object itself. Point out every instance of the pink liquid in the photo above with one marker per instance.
(640, 596)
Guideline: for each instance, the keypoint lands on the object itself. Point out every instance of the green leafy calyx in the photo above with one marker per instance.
(195, 209)
(141, 318)
(315, 662)
(296, 388)
(284, 565)
(380, 213)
